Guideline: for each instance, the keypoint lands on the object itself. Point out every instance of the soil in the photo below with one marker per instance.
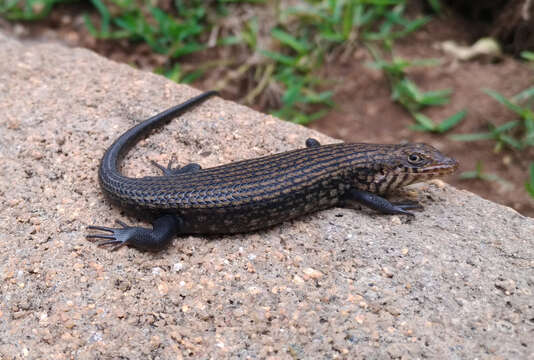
(364, 111)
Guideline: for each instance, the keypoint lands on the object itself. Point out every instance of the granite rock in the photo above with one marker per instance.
(455, 282)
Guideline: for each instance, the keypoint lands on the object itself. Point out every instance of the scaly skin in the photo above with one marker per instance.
(257, 193)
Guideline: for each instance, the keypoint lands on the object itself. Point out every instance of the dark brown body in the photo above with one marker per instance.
(258, 193)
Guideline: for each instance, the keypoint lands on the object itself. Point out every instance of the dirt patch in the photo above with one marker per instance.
(364, 111)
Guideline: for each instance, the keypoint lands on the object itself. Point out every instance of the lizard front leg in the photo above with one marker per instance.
(378, 203)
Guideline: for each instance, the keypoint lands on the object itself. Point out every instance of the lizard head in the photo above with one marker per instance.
(395, 166)
(423, 161)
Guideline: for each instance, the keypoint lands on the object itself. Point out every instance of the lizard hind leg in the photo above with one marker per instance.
(155, 239)
(173, 171)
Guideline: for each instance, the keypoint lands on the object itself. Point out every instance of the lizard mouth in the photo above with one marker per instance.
(414, 175)
(445, 167)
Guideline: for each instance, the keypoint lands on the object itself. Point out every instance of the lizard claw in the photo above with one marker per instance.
(155, 239)
(408, 204)
(118, 236)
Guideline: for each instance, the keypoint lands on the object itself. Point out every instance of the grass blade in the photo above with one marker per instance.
(530, 184)
(281, 58)
(451, 121)
(290, 41)
(472, 137)
(524, 95)
(510, 105)
(425, 122)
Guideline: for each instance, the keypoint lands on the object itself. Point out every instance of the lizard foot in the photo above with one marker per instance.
(172, 171)
(155, 239)
(117, 236)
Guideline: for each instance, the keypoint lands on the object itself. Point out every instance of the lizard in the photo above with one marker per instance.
(254, 194)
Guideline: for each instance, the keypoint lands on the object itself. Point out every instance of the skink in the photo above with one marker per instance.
(257, 193)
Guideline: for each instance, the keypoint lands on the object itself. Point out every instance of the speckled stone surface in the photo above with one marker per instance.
(456, 282)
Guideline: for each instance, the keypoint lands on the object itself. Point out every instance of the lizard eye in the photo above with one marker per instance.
(415, 158)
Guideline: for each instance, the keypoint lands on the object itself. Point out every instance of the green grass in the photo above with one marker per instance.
(529, 185)
(27, 10)
(480, 174)
(406, 93)
(499, 134)
(528, 55)
(303, 36)
(516, 135)
(287, 56)
(424, 123)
